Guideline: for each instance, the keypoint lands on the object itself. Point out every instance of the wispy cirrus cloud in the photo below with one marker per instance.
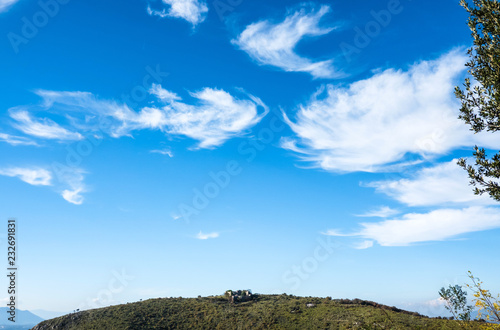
(438, 225)
(374, 124)
(380, 212)
(215, 116)
(43, 128)
(274, 44)
(71, 183)
(442, 184)
(193, 11)
(6, 4)
(364, 245)
(67, 181)
(16, 140)
(33, 176)
(165, 152)
(444, 187)
(204, 236)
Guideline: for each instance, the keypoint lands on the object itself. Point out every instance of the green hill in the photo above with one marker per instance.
(262, 312)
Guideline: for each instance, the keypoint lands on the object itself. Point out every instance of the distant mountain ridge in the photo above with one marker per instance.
(23, 320)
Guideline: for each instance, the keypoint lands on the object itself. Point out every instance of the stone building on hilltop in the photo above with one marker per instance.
(238, 296)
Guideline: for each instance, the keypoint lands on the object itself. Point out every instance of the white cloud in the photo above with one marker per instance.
(70, 183)
(274, 44)
(207, 236)
(193, 11)
(216, 117)
(16, 140)
(438, 225)
(442, 184)
(433, 308)
(335, 232)
(164, 95)
(165, 152)
(109, 116)
(73, 196)
(44, 128)
(33, 176)
(381, 212)
(376, 123)
(364, 245)
(6, 4)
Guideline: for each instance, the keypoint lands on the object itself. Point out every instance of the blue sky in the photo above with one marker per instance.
(182, 148)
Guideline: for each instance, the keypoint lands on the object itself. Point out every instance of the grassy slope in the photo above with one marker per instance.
(266, 312)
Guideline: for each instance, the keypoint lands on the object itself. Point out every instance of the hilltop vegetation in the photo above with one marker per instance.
(262, 312)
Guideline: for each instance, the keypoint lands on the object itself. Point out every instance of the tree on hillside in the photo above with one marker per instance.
(485, 303)
(456, 302)
(481, 101)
